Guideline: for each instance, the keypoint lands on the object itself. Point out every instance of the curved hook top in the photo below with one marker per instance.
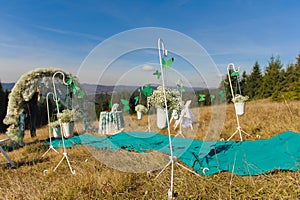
(161, 46)
(50, 93)
(233, 67)
(63, 79)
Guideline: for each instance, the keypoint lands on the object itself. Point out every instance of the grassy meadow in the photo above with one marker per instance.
(34, 178)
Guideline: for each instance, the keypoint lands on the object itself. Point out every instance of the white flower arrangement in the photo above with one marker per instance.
(172, 96)
(54, 124)
(68, 115)
(141, 108)
(240, 99)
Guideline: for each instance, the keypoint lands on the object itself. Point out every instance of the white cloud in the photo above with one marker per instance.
(148, 68)
(65, 32)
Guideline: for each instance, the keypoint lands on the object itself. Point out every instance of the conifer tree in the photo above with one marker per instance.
(272, 79)
(253, 82)
(243, 82)
(291, 90)
(3, 108)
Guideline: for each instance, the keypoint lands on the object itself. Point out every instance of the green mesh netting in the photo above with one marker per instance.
(281, 152)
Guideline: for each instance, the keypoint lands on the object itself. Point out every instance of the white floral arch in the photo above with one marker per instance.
(22, 92)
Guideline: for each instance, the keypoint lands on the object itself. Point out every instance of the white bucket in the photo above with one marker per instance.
(239, 108)
(56, 132)
(68, 129)
(139, 115)
(161, 118)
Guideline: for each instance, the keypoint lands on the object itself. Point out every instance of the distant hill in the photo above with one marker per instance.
(89, 88)
(93, 88)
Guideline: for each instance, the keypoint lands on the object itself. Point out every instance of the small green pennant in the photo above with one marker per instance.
(167, 64)
(75, 87)
(81, 94)
(181, 88)
(125, 104)
(158, 74)
(110, 105)
(58, 103)
(234, 74)
(212, 96)
(136, 100)
(147, 91)
(226, 89)
(201, 97)
(70, 81)
(221, 94)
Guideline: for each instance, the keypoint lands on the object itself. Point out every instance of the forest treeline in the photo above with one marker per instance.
(275, 81)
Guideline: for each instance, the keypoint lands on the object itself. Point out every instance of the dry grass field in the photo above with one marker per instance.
(94, 180)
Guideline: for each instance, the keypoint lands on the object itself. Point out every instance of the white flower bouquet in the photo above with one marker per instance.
(240, 99)
(141, 108)
(68, 115)
(172, 97)
(54, 124)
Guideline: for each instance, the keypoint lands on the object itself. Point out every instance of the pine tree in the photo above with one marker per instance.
(291, 90)
(297, 82)
(253, 82)
(272, 79)
(3, 108)
(243, 82)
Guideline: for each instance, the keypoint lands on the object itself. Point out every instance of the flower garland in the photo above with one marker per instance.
(23, 91)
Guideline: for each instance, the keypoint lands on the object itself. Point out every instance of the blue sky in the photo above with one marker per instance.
(61, 33)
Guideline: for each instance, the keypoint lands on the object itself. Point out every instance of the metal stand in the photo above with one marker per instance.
(149, 125)
(181, 117)
(65, 154)
(173, 159)
(5, 154)
(179, 132)
(238, 129)
(50, 148)
(49, 128)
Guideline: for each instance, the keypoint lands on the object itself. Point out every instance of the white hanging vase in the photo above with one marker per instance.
(161, 117)
(139, 115)
(68, 129)
(56, 132)
(239, 108)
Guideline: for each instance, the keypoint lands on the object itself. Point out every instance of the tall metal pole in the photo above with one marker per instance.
(239, 129)
(65, 154)
(161, 50)
(49, 128)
